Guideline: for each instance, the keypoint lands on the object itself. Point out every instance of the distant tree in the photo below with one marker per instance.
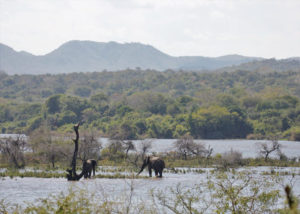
(173, 109)
(123, 131)
(114, 150)
(59, 89)
(140, 152)
(266, 149)
(231, 159)
(74, 104)
(27, 111)
(122, 110)
(128, 146)
(227, 100)
(34, 123)
(43, 146)
(89, 115)
(180, 130)
(99, 99)
(140, 126)
(90, 146)
(82, 91)
(46, 93)
(218, 122)
(295, 134)
(184, 99)
(186, 147)
(250, 102)
(100, 102)
(66, 117)
(5, 114)
(146, 101)
(12, 149)
(48, 146)
(53, 104)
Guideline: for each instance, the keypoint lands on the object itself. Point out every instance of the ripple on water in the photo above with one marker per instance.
(20, 190)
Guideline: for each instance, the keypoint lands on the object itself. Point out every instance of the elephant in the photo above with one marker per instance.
(155, 163)
(87, 168)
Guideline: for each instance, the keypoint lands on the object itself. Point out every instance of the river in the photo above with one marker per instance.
(22, 190)
(248, 148)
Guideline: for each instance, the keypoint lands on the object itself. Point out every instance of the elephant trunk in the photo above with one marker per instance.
(142, 168)
(140, 171)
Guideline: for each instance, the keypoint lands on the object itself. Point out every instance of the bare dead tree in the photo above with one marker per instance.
(140, 153)
(128, 145)
(266, 149)
(12, 149)
(72, 175)
(208, 152)
(187, 147)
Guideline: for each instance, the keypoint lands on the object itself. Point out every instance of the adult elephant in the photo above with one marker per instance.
(87, 168)
(155, 163)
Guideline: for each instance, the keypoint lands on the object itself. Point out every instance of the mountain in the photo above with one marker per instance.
(82, 56)
(267, 65)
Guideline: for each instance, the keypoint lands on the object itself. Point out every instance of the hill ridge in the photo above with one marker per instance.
(86, 55)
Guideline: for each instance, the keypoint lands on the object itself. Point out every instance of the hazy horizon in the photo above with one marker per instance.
(212, 28)
(229, 54)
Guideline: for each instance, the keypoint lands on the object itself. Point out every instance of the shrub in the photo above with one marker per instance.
(231, 159)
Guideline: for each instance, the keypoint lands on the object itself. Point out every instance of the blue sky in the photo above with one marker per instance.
(265, 28)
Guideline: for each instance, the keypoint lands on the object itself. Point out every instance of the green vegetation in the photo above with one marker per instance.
(137, 104)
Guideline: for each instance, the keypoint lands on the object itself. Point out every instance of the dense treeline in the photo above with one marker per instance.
(135, 104)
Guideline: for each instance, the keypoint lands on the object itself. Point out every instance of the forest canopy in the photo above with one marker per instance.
(138, 103)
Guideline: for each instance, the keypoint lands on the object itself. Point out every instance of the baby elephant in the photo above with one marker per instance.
(88, 166)
(153, 163)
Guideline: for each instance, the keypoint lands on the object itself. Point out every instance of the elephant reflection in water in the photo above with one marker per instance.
(87, 168)
(155, 163)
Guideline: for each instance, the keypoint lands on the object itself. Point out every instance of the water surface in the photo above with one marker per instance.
(21, 190)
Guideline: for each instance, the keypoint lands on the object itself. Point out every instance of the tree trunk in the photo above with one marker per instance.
(72, 176)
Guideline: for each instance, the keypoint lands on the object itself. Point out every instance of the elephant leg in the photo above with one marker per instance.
(94, 171)
(150, 172)
(94, 164)
(160, 173)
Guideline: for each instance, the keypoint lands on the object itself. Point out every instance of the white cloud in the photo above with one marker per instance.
(178, 27)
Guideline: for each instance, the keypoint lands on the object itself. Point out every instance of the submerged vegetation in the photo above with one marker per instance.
(136, 104)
